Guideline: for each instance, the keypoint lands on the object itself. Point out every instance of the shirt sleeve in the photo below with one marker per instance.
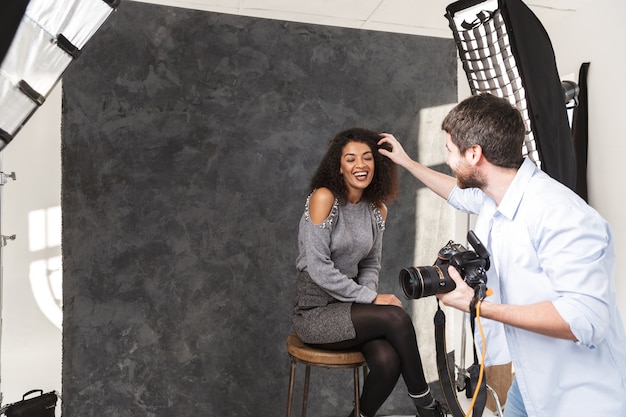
(467, 200)
(369, 267)
(322, 270)
(578, 256)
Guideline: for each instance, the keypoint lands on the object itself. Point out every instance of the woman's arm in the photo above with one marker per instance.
(315, 233)
(384, 299)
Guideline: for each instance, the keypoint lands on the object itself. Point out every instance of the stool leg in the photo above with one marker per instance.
(292, 377)
(307, 376)
(357, 400)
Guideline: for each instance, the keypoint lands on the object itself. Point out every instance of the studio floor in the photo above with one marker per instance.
(464, 402)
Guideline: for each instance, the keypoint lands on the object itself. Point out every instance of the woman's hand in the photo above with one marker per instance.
(387, 299)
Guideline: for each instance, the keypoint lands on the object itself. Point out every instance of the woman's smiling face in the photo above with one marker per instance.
(357, 166)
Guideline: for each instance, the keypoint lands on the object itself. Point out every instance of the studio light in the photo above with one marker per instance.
(505, 51)
(571, 90)
(48, 37)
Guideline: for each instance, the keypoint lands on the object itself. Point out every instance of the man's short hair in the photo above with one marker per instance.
(490, 122)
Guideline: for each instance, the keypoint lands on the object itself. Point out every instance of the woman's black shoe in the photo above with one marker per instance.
(435, 410)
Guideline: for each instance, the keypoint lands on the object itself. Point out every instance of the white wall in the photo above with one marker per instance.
(31, 334)
(595, 34)
(31, 344)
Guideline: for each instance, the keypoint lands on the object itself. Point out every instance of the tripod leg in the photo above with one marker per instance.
(494, 394)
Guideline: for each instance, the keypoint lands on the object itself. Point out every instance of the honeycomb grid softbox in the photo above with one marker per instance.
(506, 51)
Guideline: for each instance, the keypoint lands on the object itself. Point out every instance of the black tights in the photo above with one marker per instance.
(386, 337)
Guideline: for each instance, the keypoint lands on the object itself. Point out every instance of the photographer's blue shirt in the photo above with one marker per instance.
(546, 243)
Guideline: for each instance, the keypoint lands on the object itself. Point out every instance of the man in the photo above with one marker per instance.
(553, 312)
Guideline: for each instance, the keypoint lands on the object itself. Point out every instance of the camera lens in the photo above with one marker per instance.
(424, 281)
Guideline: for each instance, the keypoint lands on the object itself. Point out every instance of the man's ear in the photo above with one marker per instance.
(474, 154)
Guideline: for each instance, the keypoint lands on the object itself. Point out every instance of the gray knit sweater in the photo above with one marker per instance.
(338, 264)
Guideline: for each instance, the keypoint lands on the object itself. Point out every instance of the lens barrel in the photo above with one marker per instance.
(423, 281)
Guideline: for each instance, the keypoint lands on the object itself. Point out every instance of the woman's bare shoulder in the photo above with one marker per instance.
(321, 204)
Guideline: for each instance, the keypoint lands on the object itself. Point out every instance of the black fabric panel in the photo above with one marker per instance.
(11, 13)
(535, 57)
(580, 131)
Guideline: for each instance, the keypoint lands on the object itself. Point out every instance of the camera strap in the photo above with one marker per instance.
(445, 379)
(474, 370)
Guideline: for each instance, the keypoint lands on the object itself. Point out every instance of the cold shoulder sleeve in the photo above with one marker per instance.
(315, 258)
(369, 267)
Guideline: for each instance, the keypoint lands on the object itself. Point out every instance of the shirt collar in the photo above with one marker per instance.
(514, 194)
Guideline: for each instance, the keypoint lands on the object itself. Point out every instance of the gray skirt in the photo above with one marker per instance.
(317, 316)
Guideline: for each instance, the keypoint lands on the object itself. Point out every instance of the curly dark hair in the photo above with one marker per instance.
(384, 185)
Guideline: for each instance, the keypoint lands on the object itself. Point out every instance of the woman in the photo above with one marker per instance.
(336, 304)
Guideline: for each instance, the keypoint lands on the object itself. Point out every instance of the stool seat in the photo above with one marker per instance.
(305, 353)
(312, 356)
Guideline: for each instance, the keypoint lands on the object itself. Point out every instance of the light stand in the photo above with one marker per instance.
(4, 178)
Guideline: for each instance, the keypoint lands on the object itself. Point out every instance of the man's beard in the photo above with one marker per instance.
(469, 178)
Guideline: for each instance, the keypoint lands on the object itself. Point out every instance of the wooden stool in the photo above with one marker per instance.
(311, 356)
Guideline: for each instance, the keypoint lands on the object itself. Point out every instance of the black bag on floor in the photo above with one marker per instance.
(42, 405)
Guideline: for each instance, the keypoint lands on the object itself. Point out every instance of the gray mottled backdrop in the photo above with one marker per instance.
(189, 139)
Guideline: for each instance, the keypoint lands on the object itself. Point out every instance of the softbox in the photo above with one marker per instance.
(505, 51)
(50, 34)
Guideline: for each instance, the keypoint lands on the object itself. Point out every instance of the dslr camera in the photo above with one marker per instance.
(423, 281)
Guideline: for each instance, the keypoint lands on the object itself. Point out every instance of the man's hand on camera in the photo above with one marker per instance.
(459, 298)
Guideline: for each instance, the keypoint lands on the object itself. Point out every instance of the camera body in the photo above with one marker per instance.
(423, 281)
